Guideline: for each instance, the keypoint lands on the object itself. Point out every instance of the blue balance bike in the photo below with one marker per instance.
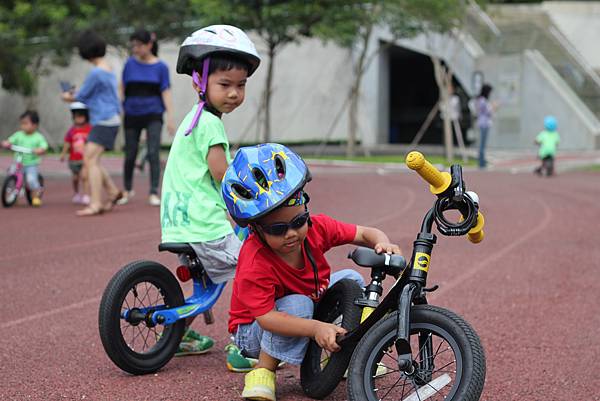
(142, 311)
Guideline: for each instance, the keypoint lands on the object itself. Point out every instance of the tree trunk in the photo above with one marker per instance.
(267, 93)
(355, 95)
(443, 75)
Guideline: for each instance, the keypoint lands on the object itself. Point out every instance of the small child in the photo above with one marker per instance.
(29, 137)
(548, 141)
(74, 143)
(219, 58)
(282, 270)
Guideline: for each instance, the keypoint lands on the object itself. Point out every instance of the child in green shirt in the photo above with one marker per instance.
(29, 137)
(548, 141)
(219, 58)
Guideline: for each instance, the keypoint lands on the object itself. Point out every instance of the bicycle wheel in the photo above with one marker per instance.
(28, 191)
(139, 347)
(448, 360)
(321, 371)
(10, 193)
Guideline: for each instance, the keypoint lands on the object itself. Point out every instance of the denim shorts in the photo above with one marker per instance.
(32, 176)
(104, 136)
(251, 338)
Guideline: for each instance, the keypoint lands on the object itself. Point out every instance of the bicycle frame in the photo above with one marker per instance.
(205, 294)
(402, 293)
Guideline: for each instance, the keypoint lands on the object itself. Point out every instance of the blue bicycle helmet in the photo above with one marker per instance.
(260, 179)
(550, 123)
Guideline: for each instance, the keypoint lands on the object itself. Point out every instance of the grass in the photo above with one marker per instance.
(591, 168)
(391, 159)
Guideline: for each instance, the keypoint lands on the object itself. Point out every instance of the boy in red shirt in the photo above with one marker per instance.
(74, 143)
(281, 268)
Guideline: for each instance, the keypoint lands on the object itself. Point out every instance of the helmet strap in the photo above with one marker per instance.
(201, 84)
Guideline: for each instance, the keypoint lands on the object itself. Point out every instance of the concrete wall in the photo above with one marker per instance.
(579, 21)
(311, 82)
(527, 88)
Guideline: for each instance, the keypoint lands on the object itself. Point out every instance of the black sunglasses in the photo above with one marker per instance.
(279, 229)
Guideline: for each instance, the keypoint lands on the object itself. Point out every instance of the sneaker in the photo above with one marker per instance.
(125, 198)
(36, 201)
(381, 371)
(193, 343)
(259, 385)
(236, 362)
(76, 199)
(85, 199)
(153, 200)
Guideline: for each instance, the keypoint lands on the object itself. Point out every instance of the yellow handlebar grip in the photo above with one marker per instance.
(439, 181)
(476, 233)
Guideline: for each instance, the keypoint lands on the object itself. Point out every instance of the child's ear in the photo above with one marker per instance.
(196, 87)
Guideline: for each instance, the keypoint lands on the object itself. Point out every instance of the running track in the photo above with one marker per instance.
(531, 289)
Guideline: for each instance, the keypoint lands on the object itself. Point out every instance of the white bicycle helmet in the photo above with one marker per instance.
(216, 39)
(76, 106)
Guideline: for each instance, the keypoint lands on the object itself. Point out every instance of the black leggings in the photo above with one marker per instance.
(132, 141)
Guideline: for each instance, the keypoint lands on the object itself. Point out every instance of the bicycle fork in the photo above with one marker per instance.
(413, 292)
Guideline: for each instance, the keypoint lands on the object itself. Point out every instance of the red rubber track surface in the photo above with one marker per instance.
(531, 289)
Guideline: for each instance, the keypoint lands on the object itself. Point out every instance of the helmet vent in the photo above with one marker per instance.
(279, 167)
(241, 192)
(211, 31)
(260, 178)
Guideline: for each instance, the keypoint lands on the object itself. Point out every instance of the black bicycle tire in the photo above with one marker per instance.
(109, 319)
(473, 357)
(5, 201)
(28, 191)
(316, 382)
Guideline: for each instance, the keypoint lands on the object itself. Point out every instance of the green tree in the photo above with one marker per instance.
(37, 35)
(277, 22)
(352, 26)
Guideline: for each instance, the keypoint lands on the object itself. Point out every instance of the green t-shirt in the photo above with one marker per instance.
(548, 141)
(31, 141)
(192, 207)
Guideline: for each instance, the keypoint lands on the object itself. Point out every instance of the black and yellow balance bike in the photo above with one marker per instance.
(400, 347)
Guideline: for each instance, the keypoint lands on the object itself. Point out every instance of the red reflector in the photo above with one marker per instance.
(183, 273)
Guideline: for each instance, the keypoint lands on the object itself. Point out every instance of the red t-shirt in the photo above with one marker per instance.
(262, 277)
(76, 138)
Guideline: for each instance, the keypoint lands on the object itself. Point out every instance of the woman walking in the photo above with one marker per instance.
(146, 96)
(485, 110)
(99, 93)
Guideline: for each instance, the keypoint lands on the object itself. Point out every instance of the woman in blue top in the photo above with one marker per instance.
(146, 91)
(99, 93)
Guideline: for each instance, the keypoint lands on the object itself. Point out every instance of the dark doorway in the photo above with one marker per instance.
(413, 93)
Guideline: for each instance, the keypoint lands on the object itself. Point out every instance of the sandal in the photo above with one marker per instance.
(111, 203)
(89, 211)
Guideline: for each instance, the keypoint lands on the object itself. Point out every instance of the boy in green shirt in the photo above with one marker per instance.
(29, 137)
(548, 141)
(219, 58)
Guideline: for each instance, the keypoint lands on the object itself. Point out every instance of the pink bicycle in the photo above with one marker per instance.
(15, 183)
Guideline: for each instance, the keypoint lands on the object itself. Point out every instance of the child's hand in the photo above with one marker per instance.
(326, 334)
(62, 158)
(384, 247)
(5, 144)
(39, 151)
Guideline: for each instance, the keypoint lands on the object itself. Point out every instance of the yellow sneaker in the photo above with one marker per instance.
(36, 201)
(259, 385)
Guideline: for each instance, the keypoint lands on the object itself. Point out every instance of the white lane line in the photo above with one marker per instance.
(78, 245)
(408, 200)
(50, 312)
(499, 253)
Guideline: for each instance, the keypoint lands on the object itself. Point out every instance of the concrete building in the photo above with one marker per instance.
(539, 58)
